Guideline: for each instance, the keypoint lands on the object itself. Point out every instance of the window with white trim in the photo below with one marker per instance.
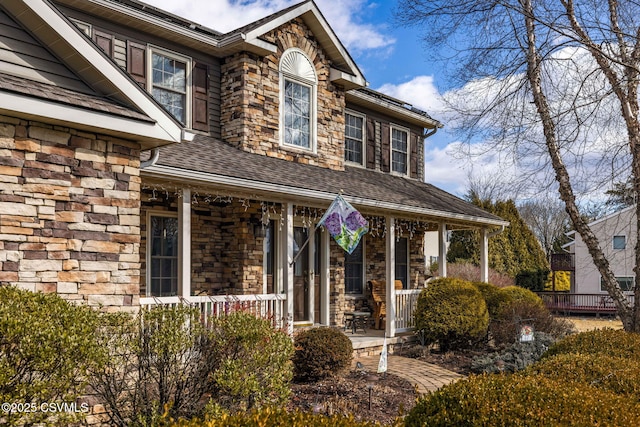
(626, 283)
(354, 269)
(169, 82)
(399, 150)
(162, 249)
(619, 242)
(298, 90)
(354, 138)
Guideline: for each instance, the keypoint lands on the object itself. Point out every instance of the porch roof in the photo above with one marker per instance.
(206, 161)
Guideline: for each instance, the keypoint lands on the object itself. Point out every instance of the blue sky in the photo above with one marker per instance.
(394, 60)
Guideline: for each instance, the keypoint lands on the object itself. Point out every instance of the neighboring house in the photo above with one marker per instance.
(206, 177)
(615, 233)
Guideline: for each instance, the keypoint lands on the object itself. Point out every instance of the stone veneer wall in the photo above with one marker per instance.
(226, 257)
(69, 213)
(251, 98)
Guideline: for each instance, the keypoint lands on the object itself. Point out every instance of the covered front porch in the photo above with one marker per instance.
(224, 249)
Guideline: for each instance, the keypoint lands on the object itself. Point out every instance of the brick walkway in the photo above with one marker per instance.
(426, 376)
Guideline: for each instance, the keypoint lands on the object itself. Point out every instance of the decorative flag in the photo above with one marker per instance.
(345, 224)
(382, 364)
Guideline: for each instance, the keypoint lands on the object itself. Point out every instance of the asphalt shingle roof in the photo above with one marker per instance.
(211, 156)
(66, 96)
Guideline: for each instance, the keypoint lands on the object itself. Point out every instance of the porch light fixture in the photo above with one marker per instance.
(259, 229)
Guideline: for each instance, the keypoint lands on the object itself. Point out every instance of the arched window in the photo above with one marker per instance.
(298, 89)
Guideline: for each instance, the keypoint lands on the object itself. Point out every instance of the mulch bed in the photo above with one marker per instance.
(348, 393)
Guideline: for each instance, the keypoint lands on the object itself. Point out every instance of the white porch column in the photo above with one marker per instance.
(391, 277)
(484, 255)
(311, 278)
(287, 247)
(325, 281)
(442, 249)
(184, 244)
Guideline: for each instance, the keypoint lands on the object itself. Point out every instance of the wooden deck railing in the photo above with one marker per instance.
(267, 306)
(567, 303)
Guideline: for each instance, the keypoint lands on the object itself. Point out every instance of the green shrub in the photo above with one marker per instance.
(46, 348)
(451, 312)
(514, 358)
(616, 343)
(320, 353)
(274, 417)
(522, 400)
(518, 294)
(614, 374)
(492, 297)
(251, 362)
(533, 280)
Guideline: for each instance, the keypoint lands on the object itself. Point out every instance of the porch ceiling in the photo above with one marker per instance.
(209, 162)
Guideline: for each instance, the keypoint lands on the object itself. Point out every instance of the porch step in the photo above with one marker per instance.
(364, 346)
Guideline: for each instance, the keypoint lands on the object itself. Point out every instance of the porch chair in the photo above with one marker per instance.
(378, 290)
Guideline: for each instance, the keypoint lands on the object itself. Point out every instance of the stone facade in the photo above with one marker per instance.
(69, 213)
(251, 101)
(226, 256)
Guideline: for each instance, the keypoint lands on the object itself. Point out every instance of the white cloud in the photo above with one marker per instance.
(420, 91)
(227, 15)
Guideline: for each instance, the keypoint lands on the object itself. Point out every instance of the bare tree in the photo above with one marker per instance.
(548, 220)
(554, 83)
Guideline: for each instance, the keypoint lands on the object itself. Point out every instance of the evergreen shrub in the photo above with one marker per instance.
(493, 297)
(320, 353)
(451, 312)
(614, 374)
(273, 417)
(616, 343)
(515, 357)
(46, 347)
(522, 400)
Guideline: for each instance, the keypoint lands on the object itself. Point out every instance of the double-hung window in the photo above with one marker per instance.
(354, 138)
(626, 283)
(399, 150)
(162, 258)
(169, 82)
(298, 83)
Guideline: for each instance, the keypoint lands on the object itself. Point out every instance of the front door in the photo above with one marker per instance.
(306, 276)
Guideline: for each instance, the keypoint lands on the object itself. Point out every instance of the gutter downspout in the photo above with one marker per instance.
(495, 233)
(155, 155)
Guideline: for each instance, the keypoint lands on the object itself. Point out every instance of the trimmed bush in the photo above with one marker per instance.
(273, 417)
(320, 353)
(533, 280)
(614, 374)
(46, 347)
(519, 400)
(251, 362)
(615, 343)
(518, 294)
(493, 297)
(451, 312)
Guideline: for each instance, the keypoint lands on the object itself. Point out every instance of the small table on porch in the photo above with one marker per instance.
(356, 320)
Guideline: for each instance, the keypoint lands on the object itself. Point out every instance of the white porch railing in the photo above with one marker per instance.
(266, 306)
(405, 305)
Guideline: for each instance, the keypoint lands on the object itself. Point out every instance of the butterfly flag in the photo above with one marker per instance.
(382, 364)
(345, 224)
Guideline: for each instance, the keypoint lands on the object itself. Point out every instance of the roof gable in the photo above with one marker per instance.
(344, 70)
(74, 64)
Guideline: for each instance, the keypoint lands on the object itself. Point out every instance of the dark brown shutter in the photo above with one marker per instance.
(200, 97)
(137, 62)
(413, 159)
(104, 41)
(371, 144)
(385, 149)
